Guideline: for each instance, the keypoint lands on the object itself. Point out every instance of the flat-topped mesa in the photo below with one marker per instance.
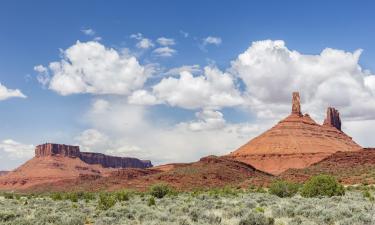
(333, 118)
(296, 104)
(106, 161)
(50, 149)
(114, 161)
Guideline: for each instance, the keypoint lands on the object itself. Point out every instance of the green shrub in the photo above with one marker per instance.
(72, 196)
(283, 189)
(160, 190)
(8, 195)
(122, 196)
(57, 196)
(151, 201)
(106, 201)
(322, 185)
(367, 194)
(88, 196)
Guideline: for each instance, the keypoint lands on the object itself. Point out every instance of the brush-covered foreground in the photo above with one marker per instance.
(224, 206)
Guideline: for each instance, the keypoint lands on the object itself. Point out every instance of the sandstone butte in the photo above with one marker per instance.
(55, 162)
(296, 142)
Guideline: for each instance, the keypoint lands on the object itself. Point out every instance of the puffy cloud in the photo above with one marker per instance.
(164, 52)
(6, 93)
(92, 138)
(213, 89)
(210, 40)
(16, 150)
(271, 72)
(207, 120)
(142, 97)
(145, 43)
(90, 67)
(166, 41)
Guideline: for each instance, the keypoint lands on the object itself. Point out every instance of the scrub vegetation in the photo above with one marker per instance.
(282, 203)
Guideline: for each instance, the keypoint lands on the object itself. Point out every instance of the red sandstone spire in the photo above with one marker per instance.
(333, 118)
(296, 104)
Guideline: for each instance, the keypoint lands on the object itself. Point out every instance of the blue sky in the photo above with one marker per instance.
(209, 34)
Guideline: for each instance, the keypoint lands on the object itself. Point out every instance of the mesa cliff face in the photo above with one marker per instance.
(296, 142)
(106, 161)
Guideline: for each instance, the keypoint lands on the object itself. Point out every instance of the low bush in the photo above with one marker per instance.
(122, 196)
(57, 196)
(257, 218)
(151, 201)
(283, 189)
(106, 201)
(159, 190)
(322, 185)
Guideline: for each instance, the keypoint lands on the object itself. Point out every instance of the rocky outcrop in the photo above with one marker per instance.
(50, 149)
(106, 161)
(295, 142)
(333, 118)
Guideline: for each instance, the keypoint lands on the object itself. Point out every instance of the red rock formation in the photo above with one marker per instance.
(106, 161)
(113, 161)
(296, 104)
(295, 142)
(58, 163)
(50, 149)
(333, 118)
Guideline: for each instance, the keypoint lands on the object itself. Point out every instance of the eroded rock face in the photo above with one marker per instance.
(50, 149)
(333, 118)
(107, 161)
(114, 161)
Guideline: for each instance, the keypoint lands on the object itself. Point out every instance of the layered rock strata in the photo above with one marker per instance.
(296, 142)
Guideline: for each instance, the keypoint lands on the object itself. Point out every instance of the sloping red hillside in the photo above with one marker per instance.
(207, 173)
(348, 167)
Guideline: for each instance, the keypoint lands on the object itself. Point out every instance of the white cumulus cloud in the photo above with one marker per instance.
(6, 93)
(207, 120)
(213, 89)
(16, 150)
(271, 72)
(90, 67)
